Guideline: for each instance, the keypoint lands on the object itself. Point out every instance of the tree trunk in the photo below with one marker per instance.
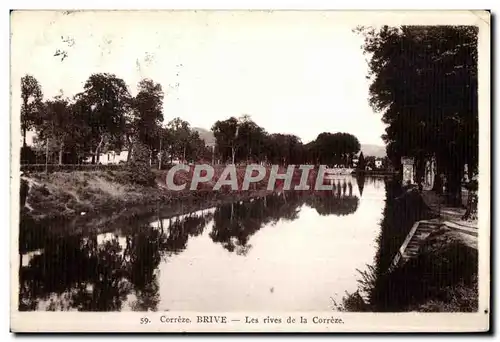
(24, 137)
(47, 156)
(420, 169)
(159, 158)
(454, 185)
(61, 149)
(97, 150)
(130, 148)
(233, 152)
(161, 226)
(438, 182)
(470, 170)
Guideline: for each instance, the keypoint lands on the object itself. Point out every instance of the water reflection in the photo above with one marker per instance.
(120, 269)
(236, 222)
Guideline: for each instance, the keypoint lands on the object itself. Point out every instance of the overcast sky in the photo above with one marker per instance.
(299, 73)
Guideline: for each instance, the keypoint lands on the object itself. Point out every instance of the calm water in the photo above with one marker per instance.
(293, 251)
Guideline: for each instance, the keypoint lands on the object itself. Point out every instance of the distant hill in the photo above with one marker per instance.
(368, 150)
(373, 150)
(206, 135)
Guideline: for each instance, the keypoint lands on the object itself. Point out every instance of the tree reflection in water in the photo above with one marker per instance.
(343, 203)
(235, 223)
(102, 272)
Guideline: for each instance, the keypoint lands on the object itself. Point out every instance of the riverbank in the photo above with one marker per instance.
(381, 173)
(91, 195)
(441, 276)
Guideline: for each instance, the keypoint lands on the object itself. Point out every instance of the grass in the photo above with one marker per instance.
(442, 278)
(69, 194)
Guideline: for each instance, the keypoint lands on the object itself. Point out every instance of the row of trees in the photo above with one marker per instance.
(424, 81)
(243, 140)
(105, 116)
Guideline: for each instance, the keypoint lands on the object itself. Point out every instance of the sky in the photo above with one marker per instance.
(299, 73)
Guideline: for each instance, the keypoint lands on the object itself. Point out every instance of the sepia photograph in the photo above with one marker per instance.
(203, 170)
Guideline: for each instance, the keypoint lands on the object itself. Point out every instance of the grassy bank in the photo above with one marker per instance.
(83, 195)
(442, 278)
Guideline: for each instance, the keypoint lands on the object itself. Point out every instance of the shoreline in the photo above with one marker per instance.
(100, 220)
(374, 173)
(95, 197)
(395, 282)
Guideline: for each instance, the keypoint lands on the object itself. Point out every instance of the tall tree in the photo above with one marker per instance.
(63, 128)
(107, 101)
(424, 81)
(250, 139)
(56, 123)
(31, 95)
(180, 135)
(361, 162)
(336, 148)
(226, 137)
(147, 113)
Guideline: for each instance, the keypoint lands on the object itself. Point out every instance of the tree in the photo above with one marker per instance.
(361, 162)
(179, 136)
(62, 126)
(226, 134)
(370, 162)
(424, 81)
(195, 148)
(336, 148)
(31, 95)
(56, 123)
(147, 113)
(250, 140)
(106, 101)
(284, 149)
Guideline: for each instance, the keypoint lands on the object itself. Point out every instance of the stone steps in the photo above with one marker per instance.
(411, 249)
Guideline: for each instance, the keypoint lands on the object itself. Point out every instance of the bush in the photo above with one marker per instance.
(27, 155)
(138, 170)
(139, 173)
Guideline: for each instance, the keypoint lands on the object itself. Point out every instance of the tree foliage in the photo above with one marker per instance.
(31, 96)
(105, 102)
(147, 112)
(424, 81)
(106, 117)
(243, 140)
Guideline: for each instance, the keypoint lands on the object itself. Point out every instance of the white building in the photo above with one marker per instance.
(378, 163)
(110, 157)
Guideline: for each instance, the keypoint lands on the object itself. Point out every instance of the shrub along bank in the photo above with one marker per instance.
(442, 278)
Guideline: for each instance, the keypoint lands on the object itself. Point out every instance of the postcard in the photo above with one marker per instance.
(250, 171)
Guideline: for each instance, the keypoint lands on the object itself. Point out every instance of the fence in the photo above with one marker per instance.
(68, 167)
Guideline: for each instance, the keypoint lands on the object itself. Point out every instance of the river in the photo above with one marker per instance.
(296, 251)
